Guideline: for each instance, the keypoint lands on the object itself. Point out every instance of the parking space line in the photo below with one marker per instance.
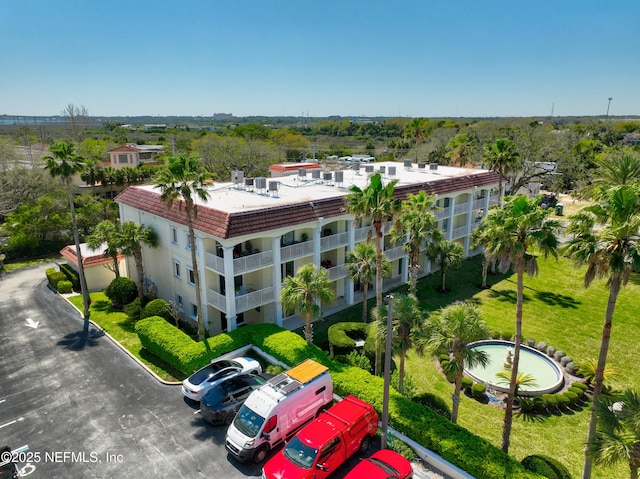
(12, 422)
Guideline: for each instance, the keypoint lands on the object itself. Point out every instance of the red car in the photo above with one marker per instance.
(384, 464)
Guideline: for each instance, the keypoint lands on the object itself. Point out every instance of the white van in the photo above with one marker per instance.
(278, 409)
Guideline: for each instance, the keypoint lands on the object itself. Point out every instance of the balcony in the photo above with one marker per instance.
(253, 299)
(460, 232)
(443, 213)
(361, 234)
(297, 250)
(336, 272)
(252, 261)
(334, 241)
(214, 262)
(217, 300)
(394, 253)
(461, 208)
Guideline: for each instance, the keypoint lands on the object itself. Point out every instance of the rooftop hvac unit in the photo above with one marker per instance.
(248, 184)
(339, 177)
(356, 166)
(392, 171)
(237, 176)
(368, 168)
(326, 175)
(407, 164)
(422, 166)
(261, 183)
(273, 188)
(302, 172)
(433, 166)
(383, 170)
(315, 174)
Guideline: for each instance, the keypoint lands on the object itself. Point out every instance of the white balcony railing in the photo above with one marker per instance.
(334, 241)
(252, 261)
(443, 213)
(394, 253)
(291, 252)
(460, 232)
(214, 262)
(254, 299)
(217, 300)
(461, 208)
(337, 272)
(361, 234)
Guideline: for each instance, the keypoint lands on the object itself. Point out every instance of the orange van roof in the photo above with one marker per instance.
(307, 371)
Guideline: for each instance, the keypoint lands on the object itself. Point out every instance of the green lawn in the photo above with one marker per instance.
(561, 312)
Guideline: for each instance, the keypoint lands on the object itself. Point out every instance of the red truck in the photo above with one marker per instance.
(324, 444)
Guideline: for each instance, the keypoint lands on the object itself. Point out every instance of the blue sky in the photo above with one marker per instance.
(319, 58)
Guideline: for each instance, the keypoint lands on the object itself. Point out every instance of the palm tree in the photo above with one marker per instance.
(92, 173)
(303, 292)
(522, 379)
(108, 176)
(449, 254)
(611, 252)
(361, 266)
(501, 156)
(417, 224)
(512, 234)
(618, 435)
(417, 130)
(479, 239)
(182, 179)
(461, 149)
(132, 237)
(615, 171)
(65, 163)
(107, 233)
(376, 203)
(450, 331)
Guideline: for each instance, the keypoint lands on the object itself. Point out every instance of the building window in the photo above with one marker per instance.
(287, 238)
(287, 269)
(123, 159)
(194, 311)
(174, 235)
(188, 240)
(176, 269)
(192, 276)
(180, 303)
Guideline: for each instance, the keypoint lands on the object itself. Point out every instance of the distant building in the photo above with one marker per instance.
(97, 266)
(132, 155)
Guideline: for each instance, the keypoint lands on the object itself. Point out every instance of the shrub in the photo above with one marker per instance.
(563, 400)
(478, 390)
(342, 336)
(408, 384)
(54, 277)
(549, 401)
(527, 405)
(156, 307)
(121, 291)
(274, 369)
(572, 397)
(354, 358)
(580, 385)
(546, 466)
(467, 383)
(134, 309)
(444, 357)
(572, 389)
(436, 403)
(71, 275)
(65, 286)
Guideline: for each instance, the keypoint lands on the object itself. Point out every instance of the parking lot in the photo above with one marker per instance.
(83, 408)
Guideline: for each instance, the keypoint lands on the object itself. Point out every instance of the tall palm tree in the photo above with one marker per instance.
(449, 331)
(448, 254)
(303, 292)
(479, 239)
(108, 176)
(461, 149)
(65, 163)
(132, 237)
(514, 234)
(107, 233)
(501, 156)
(618, 436)
(417, 130)
(92, 173)
(376, 203)
(361, 266)
(417, 224)
(182, 180)
(610, 252)
(613, 171)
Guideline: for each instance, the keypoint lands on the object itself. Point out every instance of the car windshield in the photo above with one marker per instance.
(300, 454)
(248, 422)
(211, 370)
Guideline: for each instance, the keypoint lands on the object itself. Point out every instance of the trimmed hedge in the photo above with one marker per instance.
(65, 287)
(71, 275)
(454, 443)
(156, 307)
(546, 466)
(54, 277)
(342, 336)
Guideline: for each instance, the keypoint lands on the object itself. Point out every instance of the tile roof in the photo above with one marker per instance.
(89, 257)
(225, 217)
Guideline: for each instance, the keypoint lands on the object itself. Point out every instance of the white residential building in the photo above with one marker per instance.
(253, 232)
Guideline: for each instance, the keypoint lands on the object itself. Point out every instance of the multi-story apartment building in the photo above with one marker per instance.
(253, 232)
(132, 155)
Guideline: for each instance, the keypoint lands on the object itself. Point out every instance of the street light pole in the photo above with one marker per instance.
(387, 375)
(608, 105)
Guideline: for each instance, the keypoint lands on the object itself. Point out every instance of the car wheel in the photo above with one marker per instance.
(260, 454)
(364, 445)
(228, 419)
